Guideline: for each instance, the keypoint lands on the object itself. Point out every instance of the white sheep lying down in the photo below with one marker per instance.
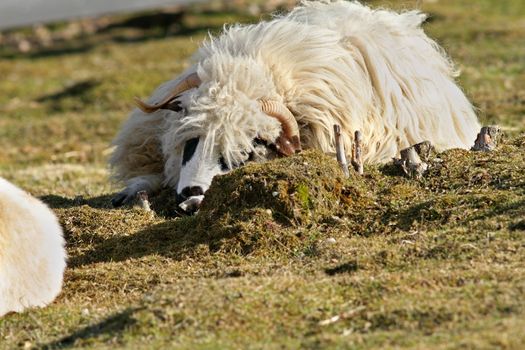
(272, 88)
(32, 255)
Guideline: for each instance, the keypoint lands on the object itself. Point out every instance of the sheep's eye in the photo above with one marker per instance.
(224, 166)
(247, 158)
(174, 105)
(259, 142)
(189, 149)
(269, 146)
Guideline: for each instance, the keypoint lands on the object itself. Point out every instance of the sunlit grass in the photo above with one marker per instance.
(437, 263)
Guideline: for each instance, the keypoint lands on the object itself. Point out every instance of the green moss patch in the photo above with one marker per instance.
(297, 189)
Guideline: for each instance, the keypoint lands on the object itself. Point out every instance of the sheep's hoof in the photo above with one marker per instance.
(487, 139)
(121, 199)
(142, 197)
(413, 159)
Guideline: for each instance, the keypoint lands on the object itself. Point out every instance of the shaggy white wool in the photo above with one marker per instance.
(32, 255)
(329, 62)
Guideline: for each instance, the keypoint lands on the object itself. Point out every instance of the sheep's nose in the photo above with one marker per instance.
(190, 199)
(192, 204)
(192, 191)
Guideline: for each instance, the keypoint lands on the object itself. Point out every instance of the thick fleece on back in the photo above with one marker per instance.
(32, 255)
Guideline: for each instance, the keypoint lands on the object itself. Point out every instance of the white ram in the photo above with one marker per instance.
(256, 89)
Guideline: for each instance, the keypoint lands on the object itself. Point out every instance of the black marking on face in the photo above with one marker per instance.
(224, 166)
(189, 149)
(261, 142)
(174, 105)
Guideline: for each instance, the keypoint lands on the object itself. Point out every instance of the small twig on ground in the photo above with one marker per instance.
(142, 197)
(487, 139)
(340, 151)
(342, 316)
(411, 162)
(357, 153)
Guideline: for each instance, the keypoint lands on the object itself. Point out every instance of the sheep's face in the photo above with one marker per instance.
(199, 167)
(218, 127)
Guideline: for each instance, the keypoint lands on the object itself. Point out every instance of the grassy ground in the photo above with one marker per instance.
(437, 263)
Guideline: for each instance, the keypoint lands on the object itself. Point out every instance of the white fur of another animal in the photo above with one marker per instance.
(330, 63)
(32, 255)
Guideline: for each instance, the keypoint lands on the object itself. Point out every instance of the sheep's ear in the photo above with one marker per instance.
(172, 105)
(188, 83)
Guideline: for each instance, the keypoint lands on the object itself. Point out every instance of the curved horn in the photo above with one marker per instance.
(190, 82)
(289, 143)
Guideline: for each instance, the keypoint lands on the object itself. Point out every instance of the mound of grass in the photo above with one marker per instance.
(266, 207)
(283, 206)
(296, 189)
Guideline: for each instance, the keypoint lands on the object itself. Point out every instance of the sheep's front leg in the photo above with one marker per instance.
(148, 183)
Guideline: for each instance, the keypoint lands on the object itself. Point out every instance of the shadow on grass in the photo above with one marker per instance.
(164, 203)
(514, 209)
(348, 267)
(165, 24)
(60, 49)
(147, 21)
(444, 209)
(175, 239)
(517, 226)
(109, 327)
(72, 97)
(120, 234)
(75, 90)
(58, 202)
